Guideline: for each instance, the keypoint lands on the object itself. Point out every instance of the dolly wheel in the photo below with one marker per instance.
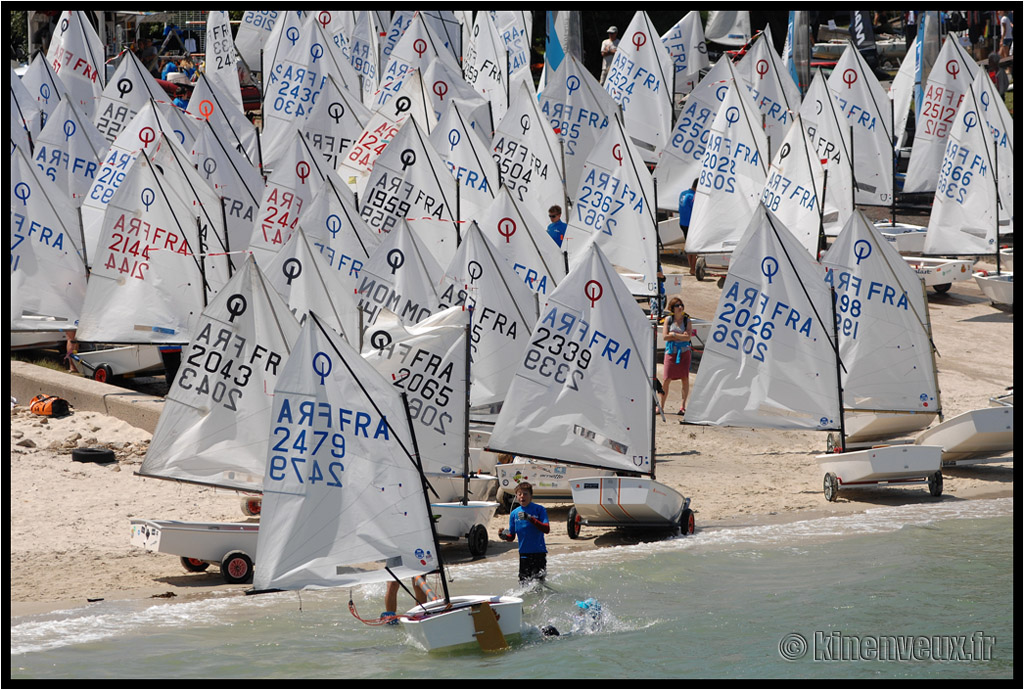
(935, 484)
(573, 523)
(103, 374)
(831, 487)
(236, 568)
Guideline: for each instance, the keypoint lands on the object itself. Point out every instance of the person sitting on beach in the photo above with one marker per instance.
(529, 522)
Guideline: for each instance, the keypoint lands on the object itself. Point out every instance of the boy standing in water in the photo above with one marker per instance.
(530, 523)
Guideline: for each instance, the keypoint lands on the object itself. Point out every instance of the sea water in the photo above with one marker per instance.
(918, 591)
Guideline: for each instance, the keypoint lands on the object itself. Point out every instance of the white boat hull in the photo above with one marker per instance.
(443, 630)
(940, 272)
(449, 487)
(671, 233)
(129, 359)
(998, 287)
(979, 434)
(550, 480)
(908, 239)
(203, 541)
(455, 520)
(626, 502)
(481, 461)
(28, 340)
(885, 464)
(864, 427)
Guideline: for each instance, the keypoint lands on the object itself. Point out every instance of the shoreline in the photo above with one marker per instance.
(69, 534)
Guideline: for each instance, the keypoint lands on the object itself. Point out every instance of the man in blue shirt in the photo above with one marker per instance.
(557, 226)
(529, 522)
(685, 211)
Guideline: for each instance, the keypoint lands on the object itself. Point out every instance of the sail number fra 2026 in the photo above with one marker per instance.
(746, 332)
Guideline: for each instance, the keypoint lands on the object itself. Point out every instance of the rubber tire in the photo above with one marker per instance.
(236, 568)
(478, 541)
(194, 565)
(100, 455)
(573, 523)
(687, 525)
(103, 374)
(830, 487)
(935, 484)
(699, 268)
(251, 506)
(831, 443)
(942, 289)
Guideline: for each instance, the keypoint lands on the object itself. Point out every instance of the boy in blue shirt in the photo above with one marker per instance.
(557, 226)
(530, 523)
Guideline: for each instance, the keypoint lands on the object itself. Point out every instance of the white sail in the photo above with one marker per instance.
(682, 157)
(299, 60)
(401, 20)
(427, 362)
(468, 157)
(444, 83)
(579, 110)
(69, 151)
(410, 181)
(26, 111)
(141, 133)
(901, 93)
(301, 275)
(238, 183)
(775, 93)
(290, 187)
(335, 228)
(963, 219)
(129, 89)
(527, 154)
(769, 361)
(689, 52)
(365, 52)
(43, 84)
(882, 322)
(414, 50)
(504, 310)
(336, 119)
(948, 81)
(869, 115)
(728, 27)
(732, 176)
(516, 30)
(48, 277)
(582, 391)
(640, 80)
(615, 208)
(252, 35)
(794, 187)
(222, 58)
(524, 242)
(830, 135)
(147, 283)
(348, 470)
(402, 276)
(76, 54)
(211, 103)
(1000, 125)
(409, 102)
(486, 64)
(213, 429)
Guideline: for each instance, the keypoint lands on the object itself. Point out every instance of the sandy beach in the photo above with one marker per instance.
(69, 529)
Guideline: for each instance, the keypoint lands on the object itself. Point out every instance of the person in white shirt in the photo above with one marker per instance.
(608, 48)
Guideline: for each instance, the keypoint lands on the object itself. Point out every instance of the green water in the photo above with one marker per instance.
(723, 603)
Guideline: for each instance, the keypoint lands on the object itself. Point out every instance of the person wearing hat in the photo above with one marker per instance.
(608, 48)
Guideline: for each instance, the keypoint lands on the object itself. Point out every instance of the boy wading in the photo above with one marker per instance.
(529, 522)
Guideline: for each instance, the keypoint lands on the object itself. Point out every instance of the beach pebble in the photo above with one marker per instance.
(72, 438)
(17, 434)
(29, 443)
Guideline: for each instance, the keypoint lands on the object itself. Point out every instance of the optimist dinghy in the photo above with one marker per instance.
(786, 372)
(583, 395)
(972, 437)
(345, 500)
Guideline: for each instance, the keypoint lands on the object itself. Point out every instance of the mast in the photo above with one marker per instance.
(839, 376)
